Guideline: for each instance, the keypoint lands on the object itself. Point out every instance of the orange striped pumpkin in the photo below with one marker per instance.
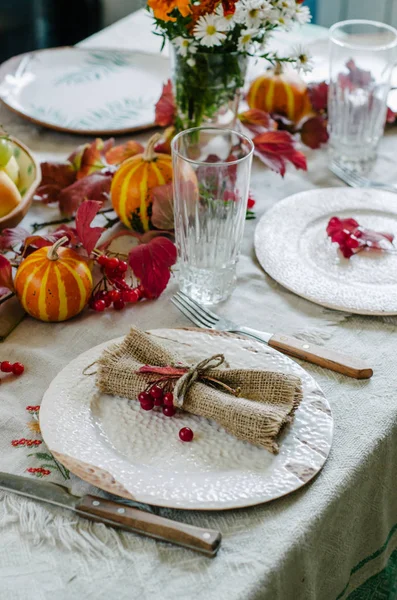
(133, 183)
(281, 93)
(53, 284)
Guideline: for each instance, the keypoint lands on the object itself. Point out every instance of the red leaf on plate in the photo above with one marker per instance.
(93, 187)
(352, 238)
(318, 94)
(88, 235)
(170, 371)
(163, 207)
(152, 262)
(12, 238)
(118, 154)
(274, 148)
(314, 132)
(165, 108)
(5, 273)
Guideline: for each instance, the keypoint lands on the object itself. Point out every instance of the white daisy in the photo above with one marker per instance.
(302, 14)
(183, 45)
(208, 31)
(191, 62)
(253, 13)
(245, 39)
(304, 60)
(225, 22)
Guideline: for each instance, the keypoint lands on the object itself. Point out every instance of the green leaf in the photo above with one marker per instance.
(46, 466)
(42, 456)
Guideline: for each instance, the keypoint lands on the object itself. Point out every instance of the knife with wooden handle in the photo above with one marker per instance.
(115, 514)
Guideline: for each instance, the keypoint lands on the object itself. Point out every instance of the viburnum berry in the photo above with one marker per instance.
(130, 295)
(102, 260)
(186, 434)
(122, 267)
(148, 405)
(18, 368)
(168, 399)
(114, 295)
(113, 263)
(99, 305)
(158, 401)
(119, 304)
(156, 391)
(168, 411)
(145, 397)
(107, 300)
(6, 366)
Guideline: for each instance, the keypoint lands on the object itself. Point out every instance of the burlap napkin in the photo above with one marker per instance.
(266, 401)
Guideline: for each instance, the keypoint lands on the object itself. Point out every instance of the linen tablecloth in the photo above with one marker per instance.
(335, 538)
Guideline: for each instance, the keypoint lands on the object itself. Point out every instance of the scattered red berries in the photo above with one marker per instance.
(186, 434)
(117, 292)
(168, 399)
(15, 368)
(168, 411)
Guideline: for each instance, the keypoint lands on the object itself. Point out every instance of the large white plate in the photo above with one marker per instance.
(85, 90)
(292, 246)
(117, 446)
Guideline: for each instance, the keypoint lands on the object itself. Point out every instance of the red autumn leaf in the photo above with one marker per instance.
(12, 238)
(229, 7)
(4, 291)
(92, 159)
(118, 154)
(88, 235)
(34, 242)
(255, 116)
(318, 94)
(165, 108)
(390, 116)
(55, 177)
(163, 207)
(164, 146)
(274, 148)
(352, 238)
(5, 273)
(314, 132)
(151, 263)
(93, 187)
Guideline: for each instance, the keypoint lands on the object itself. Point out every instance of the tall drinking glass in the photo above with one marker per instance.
(211, 170)
(362, 55)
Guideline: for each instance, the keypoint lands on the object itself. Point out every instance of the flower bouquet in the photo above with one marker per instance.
(211, 41)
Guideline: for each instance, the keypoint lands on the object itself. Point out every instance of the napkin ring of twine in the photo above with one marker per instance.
(187, 376)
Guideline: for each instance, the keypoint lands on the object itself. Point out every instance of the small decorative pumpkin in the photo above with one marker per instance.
(281, 93)
(53, 284)
(133, 182)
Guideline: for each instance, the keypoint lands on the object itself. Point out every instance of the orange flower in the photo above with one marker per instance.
(163, 8)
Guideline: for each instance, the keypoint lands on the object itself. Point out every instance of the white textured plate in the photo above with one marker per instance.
(292, 246)
(84, 90)
(117, 446)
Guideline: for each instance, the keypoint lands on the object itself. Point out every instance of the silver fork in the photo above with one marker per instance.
(206, 319)
(358, 181)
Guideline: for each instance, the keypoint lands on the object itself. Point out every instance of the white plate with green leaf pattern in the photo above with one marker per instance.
(85, 90)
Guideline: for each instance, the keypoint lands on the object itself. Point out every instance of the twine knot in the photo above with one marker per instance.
(193, 374)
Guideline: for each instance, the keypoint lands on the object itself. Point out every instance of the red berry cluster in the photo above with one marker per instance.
(33, 408)
(156, 396)
(23, 442)
(39, 471)
(113, 288)
(16, 368)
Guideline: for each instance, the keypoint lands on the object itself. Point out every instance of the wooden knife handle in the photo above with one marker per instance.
(318, 355)
(206, 541)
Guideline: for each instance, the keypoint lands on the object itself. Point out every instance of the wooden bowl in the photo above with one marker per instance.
(30, 177)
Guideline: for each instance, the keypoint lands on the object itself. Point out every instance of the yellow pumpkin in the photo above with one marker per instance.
(53, 284)
(281, 93)
(133, 183)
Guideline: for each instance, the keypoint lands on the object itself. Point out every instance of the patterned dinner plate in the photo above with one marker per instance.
(84, 90)
(112, 443)
(292, 246)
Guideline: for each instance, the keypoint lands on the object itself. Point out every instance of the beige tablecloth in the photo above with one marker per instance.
(320, 543)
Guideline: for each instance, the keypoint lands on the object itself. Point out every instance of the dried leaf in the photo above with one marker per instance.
(352, 238)
(314, 132)
(5, 273)
(88, 235)
(118, 154)
(163, 207)
(274, 148)
(151, 263)
(165, 109)
(93, 187)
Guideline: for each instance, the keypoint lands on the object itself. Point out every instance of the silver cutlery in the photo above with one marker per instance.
(206, 541)
(358, 181)
(204, 318)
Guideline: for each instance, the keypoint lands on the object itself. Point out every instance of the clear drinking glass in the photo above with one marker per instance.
(362, 55)
(211, 170)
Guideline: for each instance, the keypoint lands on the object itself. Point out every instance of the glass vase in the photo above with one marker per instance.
(207, 88)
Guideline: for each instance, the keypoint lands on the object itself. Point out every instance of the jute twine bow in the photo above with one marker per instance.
(194, 373)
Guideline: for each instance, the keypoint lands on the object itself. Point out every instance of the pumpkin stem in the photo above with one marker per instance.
(149, 155)
(52, 253)
(278, 69)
